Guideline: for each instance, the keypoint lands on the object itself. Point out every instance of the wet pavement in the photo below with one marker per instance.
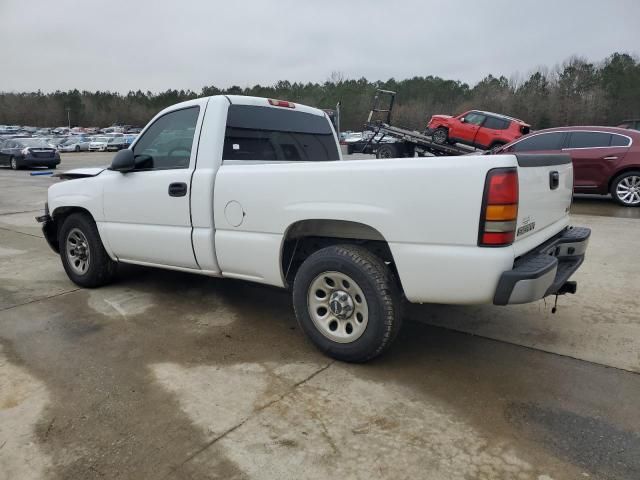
(170, 375)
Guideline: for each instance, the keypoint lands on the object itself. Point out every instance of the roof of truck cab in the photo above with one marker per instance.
(241, 100)
(264, 102)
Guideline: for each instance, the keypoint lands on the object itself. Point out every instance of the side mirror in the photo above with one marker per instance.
(462, 120)
(124, 161)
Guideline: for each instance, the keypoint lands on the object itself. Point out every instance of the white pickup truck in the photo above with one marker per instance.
(256, 189)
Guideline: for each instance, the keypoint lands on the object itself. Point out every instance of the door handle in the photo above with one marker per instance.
(177, 189)
(554, 180)
(613, 157)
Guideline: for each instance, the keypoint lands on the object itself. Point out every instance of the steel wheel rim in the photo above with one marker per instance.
(628, 190)
(337, 306)
(385, 153)
(78, 252)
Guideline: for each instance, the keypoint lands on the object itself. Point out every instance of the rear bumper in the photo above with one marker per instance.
(545, 270)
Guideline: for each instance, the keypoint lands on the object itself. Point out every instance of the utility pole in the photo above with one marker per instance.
(68, 109)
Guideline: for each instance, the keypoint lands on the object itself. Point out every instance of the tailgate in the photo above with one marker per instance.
(545, 185)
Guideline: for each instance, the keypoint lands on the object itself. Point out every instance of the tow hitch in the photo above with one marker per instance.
(567, 287)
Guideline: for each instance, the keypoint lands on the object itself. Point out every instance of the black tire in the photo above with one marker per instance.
(387, 151)
(440, 136)
(631, 180)
(381, 295)
(101, 269)
(496, 145)
(349, 149)
(77, 149)
(15, 164)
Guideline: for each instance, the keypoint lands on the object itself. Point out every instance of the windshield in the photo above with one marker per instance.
(101, 139)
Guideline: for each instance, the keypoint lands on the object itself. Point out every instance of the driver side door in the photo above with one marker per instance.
(147, 211)
(467, 130)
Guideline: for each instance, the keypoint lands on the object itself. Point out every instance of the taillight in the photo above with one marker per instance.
(281, 103)
(499, 208)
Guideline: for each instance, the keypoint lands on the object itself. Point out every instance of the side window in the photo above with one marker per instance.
(474, 118)
(258, 134)
(619, 141)
(496, 123)
(167, 143)
(542, 141)
(588, 139)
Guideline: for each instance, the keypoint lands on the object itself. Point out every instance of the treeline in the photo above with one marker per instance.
(575, 93)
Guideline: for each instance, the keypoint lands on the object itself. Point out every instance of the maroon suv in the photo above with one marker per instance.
(605, 159)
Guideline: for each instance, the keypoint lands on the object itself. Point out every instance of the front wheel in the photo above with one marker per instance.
(347, 302)
(440, 136)
(14, 164)
(625, 189)
(83, 256)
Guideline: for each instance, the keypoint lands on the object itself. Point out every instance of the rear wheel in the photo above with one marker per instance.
(15, 165)
(495, 146)
(77, 149)
(625, 189)
(83, 256)
(347, 302)
(387, 151)
(440, 136)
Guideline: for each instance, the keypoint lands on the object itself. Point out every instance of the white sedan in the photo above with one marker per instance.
(79, 144)
(99, 144)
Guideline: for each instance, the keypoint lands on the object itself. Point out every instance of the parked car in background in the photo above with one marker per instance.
(99, 144)
(55, 141)
(75, 144)
(476, 128)
(130, 138)
(605, 159)
(358, 142)
(28, 152)
(632, 124)
(116, 144)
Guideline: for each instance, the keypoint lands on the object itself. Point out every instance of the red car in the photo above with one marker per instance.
(479, 129)
(605, 159)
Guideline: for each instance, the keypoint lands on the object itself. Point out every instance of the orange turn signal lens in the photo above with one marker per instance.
(501, 212)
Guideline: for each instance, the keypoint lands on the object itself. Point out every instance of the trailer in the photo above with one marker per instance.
(407, 143)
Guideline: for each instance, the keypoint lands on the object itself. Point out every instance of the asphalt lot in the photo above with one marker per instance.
(170, 375)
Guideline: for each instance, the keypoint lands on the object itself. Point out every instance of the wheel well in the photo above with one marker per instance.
(308, 236)
(621, 172)
(58, 216)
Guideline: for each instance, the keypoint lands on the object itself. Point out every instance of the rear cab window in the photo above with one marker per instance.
(258, 134)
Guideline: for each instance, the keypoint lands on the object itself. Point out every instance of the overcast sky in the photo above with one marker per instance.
(158, 44)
